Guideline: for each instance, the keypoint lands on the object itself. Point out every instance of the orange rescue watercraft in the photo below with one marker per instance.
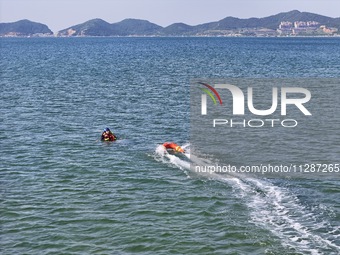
(173, 146)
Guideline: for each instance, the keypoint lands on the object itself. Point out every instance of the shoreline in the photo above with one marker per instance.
(194, 36)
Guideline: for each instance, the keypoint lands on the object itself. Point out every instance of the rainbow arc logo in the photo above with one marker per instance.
(211, 92)
(208, 92)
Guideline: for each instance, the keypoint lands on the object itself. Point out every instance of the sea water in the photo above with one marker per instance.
(65, 192)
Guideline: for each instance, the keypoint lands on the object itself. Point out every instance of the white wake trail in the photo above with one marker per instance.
(271, 207)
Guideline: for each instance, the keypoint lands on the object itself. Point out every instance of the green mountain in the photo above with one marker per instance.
(135, 27)
(271, 22)
(93, 27)
(23, 28)
(98, 27)
(178, 29)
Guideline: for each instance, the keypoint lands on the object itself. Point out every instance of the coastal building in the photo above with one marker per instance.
(287, 28)
(329, 30)
(306, 25)
(286, 25)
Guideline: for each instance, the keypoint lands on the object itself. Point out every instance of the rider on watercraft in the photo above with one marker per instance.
(173, 146)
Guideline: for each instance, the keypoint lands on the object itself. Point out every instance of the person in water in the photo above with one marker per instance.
(107, 135)
(173, 146)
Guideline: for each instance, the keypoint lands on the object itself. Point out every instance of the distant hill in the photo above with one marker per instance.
(24, 28)
(178, 29)
(135, 27)
(93, 27)
(271, 22)
(229, 26)
(98, 27)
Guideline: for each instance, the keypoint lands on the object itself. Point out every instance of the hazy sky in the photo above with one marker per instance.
(60, 14)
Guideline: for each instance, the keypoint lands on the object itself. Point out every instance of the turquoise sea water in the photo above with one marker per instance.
(65, 192)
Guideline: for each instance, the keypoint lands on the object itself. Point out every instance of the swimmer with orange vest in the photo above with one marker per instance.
(173, 146)
(108, 136)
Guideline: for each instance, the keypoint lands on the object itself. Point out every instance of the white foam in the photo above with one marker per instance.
(162, 155)
(279, 211)
(271, 207)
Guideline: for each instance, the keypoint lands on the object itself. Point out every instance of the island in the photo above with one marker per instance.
(293, 23)
(24, 28)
